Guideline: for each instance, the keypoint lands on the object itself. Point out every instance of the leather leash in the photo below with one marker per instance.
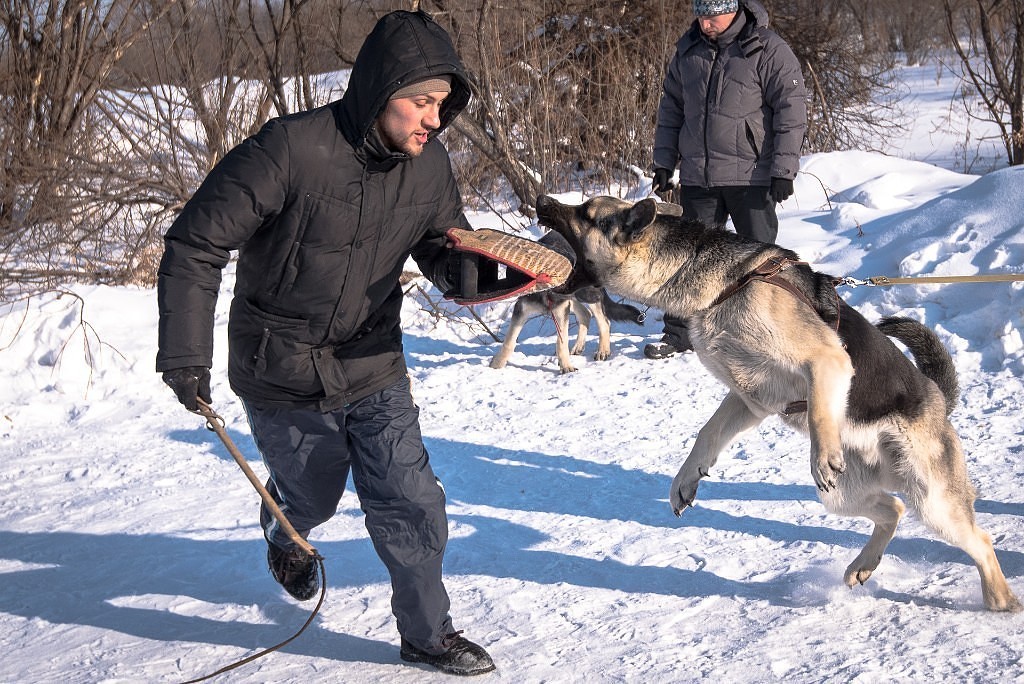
(920, 280)
(216, 424)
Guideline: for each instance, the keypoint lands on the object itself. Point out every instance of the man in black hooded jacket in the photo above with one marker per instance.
(324, 207)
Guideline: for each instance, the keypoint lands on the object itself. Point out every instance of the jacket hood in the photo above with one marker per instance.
(403, 47)
(756, 13)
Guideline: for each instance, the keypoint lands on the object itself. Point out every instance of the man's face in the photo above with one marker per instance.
(714, 25)
(406, 121)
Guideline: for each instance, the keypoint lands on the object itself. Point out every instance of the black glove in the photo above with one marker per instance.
(662, 180)
(188, 383)
(782, 189)
(453, 273)
(469, 273)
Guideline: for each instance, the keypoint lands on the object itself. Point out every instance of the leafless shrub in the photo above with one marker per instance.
(849, 75)
(912, 28)
(566, 93)
(58, 59)
(988, 37)
(114, 110)
(440, 310)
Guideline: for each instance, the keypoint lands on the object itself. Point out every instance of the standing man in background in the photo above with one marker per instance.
(732, 119)
(324, 208)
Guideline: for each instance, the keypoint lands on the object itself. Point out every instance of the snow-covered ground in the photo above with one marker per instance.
(130, 549)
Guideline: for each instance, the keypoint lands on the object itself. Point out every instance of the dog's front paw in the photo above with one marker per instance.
(603, 355)
(567, 369)
(498, 362)
(826, 471)
(684, 491)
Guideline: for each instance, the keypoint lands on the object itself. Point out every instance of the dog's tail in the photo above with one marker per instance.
(618, 311)
(931, 357)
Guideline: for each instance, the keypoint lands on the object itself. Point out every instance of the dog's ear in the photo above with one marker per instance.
(639, 216)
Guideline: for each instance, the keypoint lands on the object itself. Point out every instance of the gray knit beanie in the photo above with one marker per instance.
(710, 8)
(438, 84)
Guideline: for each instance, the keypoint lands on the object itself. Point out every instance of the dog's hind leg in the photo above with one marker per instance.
(582, 313)
(883, 509)
(946, 505)
(731, 418)
(956, 525)
(994, 589)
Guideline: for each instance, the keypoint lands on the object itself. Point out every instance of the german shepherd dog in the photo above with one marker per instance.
(585, 303)
(784, 343)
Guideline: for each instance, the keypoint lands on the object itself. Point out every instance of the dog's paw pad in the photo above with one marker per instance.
(1004, 602)
(682, 499)
(855, 577)
(826, 475)
(681, 508)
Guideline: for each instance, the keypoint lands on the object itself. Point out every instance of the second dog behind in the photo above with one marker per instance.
(585, 303)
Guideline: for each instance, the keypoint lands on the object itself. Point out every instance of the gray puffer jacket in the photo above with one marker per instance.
(323, 216)
(733, 112)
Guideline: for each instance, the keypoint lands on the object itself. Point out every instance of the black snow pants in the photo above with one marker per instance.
(309, 455)
(753, 215)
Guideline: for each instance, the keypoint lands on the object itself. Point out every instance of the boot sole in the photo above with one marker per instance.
(425, 659)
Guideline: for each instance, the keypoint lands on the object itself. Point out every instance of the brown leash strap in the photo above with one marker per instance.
(924, 280)
(215, 423)
(551, 312)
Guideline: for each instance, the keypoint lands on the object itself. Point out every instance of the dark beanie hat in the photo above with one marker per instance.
(436, 84)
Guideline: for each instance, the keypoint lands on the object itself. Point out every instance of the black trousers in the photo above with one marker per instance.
(753, 215)
(309, 455)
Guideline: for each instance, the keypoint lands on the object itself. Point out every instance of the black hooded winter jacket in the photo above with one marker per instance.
(323, 217)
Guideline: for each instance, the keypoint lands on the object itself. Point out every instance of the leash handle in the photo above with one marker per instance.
(215, 423)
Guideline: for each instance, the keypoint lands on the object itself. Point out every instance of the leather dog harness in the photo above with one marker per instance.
(768, 272)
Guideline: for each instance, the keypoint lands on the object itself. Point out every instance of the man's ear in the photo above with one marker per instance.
(639, 216)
